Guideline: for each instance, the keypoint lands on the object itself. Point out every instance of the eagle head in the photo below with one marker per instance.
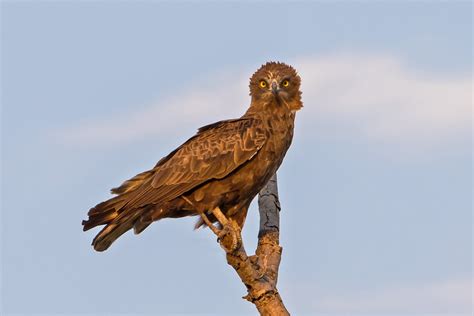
(276, 83)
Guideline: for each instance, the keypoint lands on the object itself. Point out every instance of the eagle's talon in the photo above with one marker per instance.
(229, 237)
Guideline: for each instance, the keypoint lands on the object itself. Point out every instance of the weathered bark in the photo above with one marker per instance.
(259, 272)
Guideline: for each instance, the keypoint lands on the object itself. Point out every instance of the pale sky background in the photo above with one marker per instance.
(375, 190)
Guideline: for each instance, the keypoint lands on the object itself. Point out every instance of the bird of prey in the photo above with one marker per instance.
(221, 168)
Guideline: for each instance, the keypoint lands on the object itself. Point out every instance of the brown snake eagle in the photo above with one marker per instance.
(221, 168)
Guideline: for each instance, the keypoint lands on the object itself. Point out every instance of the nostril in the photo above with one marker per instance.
(274, 85)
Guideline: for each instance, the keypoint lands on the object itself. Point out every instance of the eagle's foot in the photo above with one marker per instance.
(229, 237)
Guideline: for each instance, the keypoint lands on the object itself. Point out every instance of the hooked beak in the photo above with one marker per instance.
(275, 88)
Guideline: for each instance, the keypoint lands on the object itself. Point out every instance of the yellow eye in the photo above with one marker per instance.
(285, 83)
(263, 83)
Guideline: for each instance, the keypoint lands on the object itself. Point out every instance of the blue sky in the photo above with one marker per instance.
(375, 190)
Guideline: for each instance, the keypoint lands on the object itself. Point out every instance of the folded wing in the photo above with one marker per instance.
(213, 153)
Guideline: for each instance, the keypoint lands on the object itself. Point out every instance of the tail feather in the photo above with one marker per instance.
(104, 212)
(115, 216)
(115, 203)
(99, 219)
(118, 218)
(150, 215)
(144, 221)
(114, 229)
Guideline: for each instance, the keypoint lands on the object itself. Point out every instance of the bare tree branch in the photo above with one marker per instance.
(259, 272)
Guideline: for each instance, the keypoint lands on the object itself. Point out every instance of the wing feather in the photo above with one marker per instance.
(216, 151)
